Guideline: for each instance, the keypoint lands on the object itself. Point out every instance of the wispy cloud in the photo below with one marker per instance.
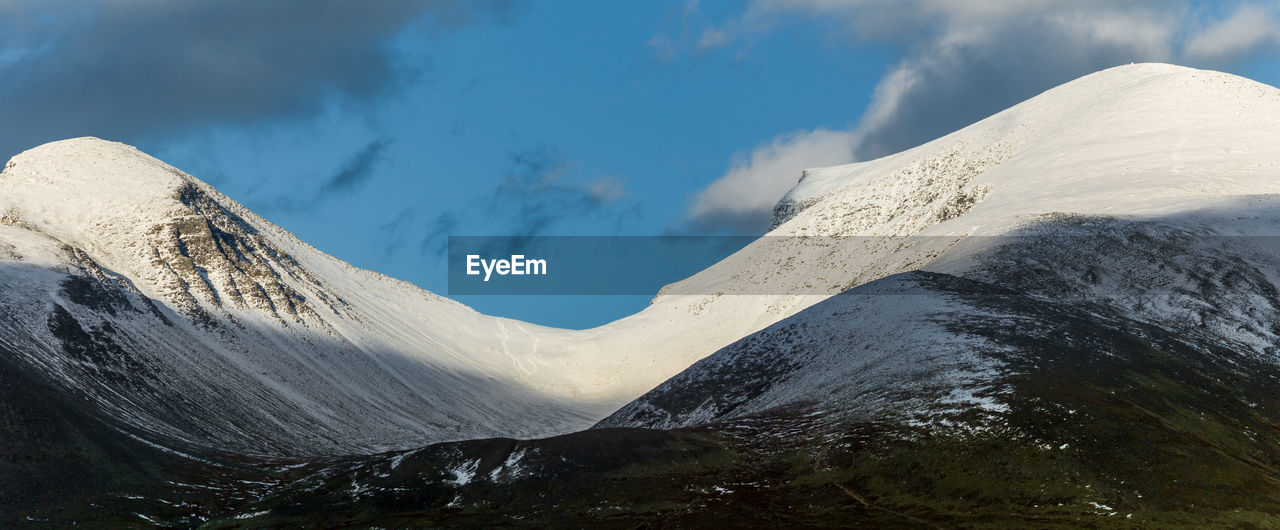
(539, 192)
(357, 170)
(436, 240)
(392, 233)
(681, 24)
(352, 175)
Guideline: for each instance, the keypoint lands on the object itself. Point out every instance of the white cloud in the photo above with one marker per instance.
(1147, 33)
(713, 38)
(743, 198)
(1249, 28)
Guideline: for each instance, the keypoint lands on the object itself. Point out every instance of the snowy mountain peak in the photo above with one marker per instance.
(92, 165)
(1134, 139)
(146, 290)
(105, 180)
(174, 236)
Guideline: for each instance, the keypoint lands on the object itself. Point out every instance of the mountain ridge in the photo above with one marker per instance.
(282, 315)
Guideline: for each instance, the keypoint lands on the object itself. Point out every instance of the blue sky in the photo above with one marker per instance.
(375, 131)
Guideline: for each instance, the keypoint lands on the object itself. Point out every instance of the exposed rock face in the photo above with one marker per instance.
(214, 257)
(928, 190)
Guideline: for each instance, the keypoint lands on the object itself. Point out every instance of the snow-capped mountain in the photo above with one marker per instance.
(186, 315)
(1146, 194)
(1098, 257)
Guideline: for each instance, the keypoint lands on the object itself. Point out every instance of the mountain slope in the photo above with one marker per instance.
(1144, 187)
(966, 405)
(1146, 141)
(190, 317)
(884, 347)
(326, 358)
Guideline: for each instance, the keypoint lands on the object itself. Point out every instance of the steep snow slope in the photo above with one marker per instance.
(187, 315)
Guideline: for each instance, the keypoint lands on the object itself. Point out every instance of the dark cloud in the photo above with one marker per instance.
(537, 192)
(392, 233)
(436, 240)
(353, 174)
(125, 69)
(357, 170)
